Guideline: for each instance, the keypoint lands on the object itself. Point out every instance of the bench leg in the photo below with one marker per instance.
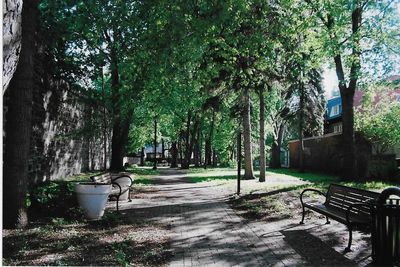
(117, 203)
(348, 248)
(327, 220)
(302, 216)
(129, 195)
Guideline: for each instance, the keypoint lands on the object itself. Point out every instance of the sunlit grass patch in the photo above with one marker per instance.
(305, 176)
(142, 180)
(143, 171)
(209, 170)
(220, 178)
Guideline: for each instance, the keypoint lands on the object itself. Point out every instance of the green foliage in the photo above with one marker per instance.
(121, 253)
(378, 118)
(187, 64)
(54, 200)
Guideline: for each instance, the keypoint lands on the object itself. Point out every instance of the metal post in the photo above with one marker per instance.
(239, 155)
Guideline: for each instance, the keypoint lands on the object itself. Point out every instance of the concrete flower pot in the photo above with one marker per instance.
(92, 197)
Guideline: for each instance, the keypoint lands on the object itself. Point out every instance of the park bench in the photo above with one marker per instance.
(121, 184)
(347, 205)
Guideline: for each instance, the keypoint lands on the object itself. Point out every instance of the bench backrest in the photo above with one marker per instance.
(341, 197)
(102, 178)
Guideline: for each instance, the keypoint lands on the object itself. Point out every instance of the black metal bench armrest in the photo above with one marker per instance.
(122, 176)
(358, 204)
(310, 190)
(119, 187)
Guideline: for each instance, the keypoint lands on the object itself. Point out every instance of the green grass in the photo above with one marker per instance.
(143, 175)
(141, 180)
(210, 169)
(143, 171)
(200, 179)
(227, 177)
(305, 176)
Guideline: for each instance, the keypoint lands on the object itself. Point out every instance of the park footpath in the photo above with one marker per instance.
(205, 231)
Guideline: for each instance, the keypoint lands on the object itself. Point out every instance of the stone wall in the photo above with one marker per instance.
(61, 142)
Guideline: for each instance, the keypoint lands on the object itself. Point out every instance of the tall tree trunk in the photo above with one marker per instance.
(207, 152)
(180, 148)
(262, 135)
(348, 139)
(174, 155)
(197, 149)
(142, 157)
(248, 153)
(19, 124)
(214, 158)
(276, 147)
(12, 14)
(116, 140)
(347, 92)
(200, 150)
(155, 145)
(104, 121)
(208, 142)
(186, 160)
(162, 149)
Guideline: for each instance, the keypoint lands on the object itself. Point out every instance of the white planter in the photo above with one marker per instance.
(92, 197)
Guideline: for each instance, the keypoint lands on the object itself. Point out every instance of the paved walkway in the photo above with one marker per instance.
(206, 231)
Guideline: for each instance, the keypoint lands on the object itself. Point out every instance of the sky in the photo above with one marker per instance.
(330, 82)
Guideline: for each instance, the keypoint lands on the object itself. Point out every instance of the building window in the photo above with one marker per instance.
(337, 128)
(335, 110)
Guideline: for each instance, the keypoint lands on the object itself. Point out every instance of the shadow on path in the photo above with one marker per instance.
(205, 230)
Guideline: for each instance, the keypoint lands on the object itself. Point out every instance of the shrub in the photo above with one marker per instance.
(54, 199)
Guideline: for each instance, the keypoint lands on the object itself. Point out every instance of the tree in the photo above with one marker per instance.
(11, 38)
(93, 34)
(378, 118)
(18, 124)
(352, 34)
(262, 135)
(306, 96)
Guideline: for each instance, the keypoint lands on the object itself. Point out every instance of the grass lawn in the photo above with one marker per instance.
(143, 175)
(278, 197)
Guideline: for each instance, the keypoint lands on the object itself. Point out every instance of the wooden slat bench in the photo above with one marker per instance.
(121, 183)
(347, 205)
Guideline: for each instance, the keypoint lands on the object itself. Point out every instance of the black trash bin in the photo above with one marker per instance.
(386, 228)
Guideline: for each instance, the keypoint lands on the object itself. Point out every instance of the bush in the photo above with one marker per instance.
(54, 199)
